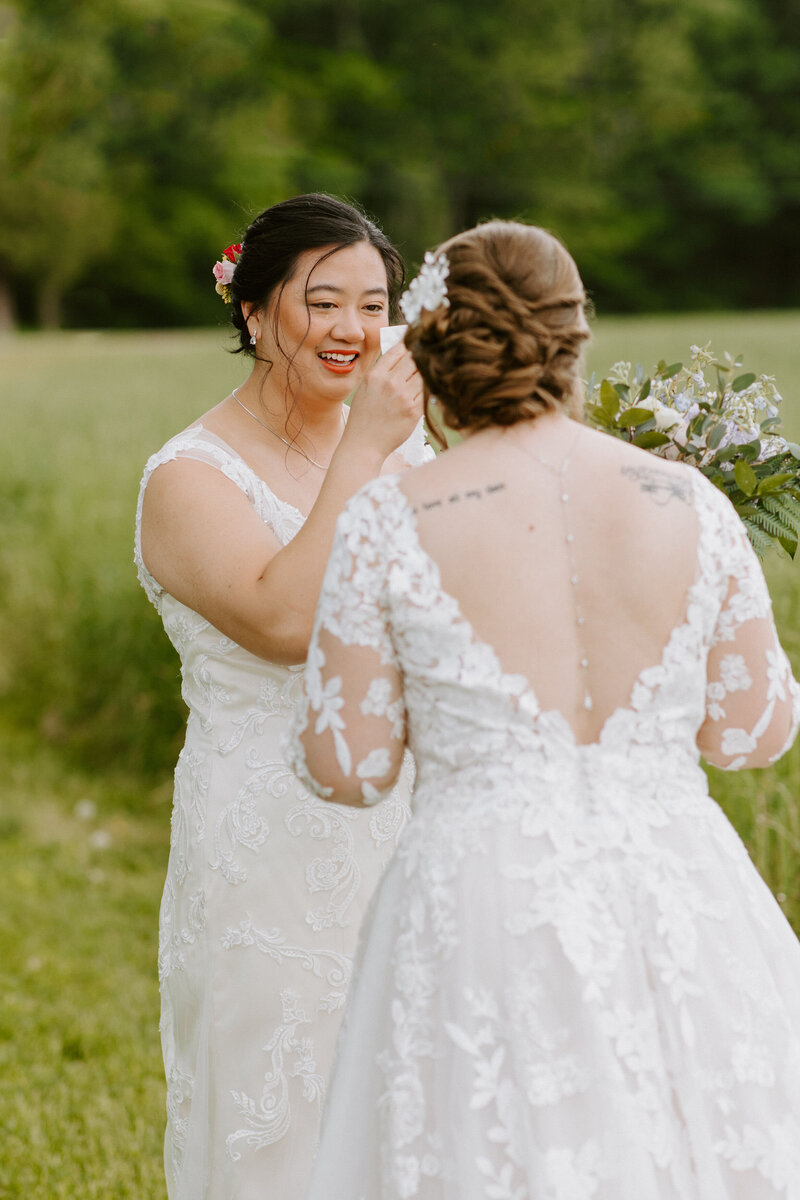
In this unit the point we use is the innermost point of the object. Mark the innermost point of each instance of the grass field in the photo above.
(90, 724)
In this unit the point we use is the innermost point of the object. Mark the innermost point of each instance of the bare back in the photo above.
(571, 554)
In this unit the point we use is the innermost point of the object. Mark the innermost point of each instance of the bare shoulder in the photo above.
(199, 532)
(658, 479)
(190, 462)
(456, 478)
(183, 473)
(184, 494)
(414, 478)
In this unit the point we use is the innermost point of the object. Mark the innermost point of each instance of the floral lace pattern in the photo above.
(572, 983)
(264, 895)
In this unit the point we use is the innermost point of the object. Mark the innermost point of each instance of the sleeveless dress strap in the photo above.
(201, 445)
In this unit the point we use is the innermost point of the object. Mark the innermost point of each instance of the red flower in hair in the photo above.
(232, 252)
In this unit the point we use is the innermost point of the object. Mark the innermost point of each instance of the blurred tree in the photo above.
(57, 207)
(643, 132)
(195, 141)
(138, 136)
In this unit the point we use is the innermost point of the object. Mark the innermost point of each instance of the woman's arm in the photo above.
(206, 546)
(348, 738)
(752, 699)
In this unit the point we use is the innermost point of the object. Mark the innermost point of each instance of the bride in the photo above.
(266, 886)
(572, 983)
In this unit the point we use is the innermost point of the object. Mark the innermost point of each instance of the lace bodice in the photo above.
(420, 664)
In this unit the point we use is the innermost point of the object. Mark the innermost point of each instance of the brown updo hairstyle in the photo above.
(508, 346)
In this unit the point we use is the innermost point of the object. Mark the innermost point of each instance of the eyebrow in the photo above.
(331, 287)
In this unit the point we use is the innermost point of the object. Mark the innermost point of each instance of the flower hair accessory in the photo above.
(223, 271)
(428, 290)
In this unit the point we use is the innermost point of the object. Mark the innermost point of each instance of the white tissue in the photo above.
(391, 335)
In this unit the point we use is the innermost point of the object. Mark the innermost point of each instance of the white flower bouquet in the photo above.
(722, 421)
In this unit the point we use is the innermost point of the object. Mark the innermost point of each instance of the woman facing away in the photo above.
(266, 885)
(572, 983)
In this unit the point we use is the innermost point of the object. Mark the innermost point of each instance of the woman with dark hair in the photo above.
(572, 983)
(266, 885)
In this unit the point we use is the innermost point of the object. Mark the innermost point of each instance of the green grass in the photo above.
(81, 1090)
(89, 711)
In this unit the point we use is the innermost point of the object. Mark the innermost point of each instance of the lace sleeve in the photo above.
(348, 737)
(416, 449)
(752, 699)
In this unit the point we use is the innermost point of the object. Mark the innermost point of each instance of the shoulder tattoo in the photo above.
(456, 497)
(661, 486)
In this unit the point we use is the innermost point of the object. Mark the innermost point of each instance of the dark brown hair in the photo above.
(508, 346)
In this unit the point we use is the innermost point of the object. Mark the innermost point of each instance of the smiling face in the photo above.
(326, 322)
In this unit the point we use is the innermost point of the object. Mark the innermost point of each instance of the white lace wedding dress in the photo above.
(572, 983)
(265, 891)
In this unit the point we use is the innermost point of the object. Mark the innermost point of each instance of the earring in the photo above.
(253, 339)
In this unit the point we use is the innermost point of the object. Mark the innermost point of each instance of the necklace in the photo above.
(286, 442)
(560, 472)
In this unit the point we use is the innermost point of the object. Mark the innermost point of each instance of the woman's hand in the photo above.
(387, 405)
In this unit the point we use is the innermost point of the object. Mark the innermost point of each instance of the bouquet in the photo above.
(722, 421)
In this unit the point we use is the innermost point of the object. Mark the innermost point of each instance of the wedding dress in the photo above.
(572, 983)
(265, 891)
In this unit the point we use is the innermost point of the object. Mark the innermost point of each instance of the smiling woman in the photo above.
(266, 885)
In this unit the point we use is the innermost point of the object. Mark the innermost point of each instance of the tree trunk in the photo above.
(49, 305)
(8, 316)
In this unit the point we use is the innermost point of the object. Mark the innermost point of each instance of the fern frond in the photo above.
(771, 524)
(760, 542)
(786, 508)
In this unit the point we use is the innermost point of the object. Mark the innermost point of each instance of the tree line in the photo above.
(137, 137)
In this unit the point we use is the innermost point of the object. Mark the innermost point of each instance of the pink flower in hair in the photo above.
(223, 270)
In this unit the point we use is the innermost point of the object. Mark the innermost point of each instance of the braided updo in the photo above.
(508, 346)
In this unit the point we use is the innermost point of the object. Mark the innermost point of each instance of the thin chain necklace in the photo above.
(560, 472)
(286, 442)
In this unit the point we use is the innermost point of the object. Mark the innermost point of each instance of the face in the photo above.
(329, 318)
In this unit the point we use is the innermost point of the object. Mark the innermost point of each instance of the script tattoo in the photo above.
(471, 494)
(663, 486)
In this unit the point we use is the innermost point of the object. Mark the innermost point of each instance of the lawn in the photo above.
(90, 723)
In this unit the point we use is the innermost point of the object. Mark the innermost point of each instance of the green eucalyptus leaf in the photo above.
(745, 477)
(650, 439)
(633, 417)
(609, 398)
(644, 390)
(597, 415)
(728, 453)
(716, 435)
(793, 449)
(750, 451)
(773, 482)
(716, 477)
(743, 381)
(669, 372)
